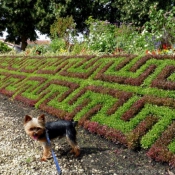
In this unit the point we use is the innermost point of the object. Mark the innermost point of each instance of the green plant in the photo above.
(101, 36)
(162, 24)
(4, 48)
(57, 44)
(28, 160)
(131, 39)
(40, 49)
(63, 28)
(79, 48)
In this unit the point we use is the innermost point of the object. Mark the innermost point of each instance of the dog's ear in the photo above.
(41, 118)
(27, 119)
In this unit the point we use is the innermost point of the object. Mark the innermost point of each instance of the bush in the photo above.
(57, 44)
(162, 24)
(4, 48)
(63, 28)
(102, 35)
(41, 49)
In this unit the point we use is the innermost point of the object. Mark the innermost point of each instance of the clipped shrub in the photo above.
(134, 137)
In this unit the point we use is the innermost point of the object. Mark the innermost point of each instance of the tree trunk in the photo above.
(24, 43)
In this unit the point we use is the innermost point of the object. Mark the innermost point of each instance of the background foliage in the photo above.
(4, 48)
(106, 26)
(22, 18)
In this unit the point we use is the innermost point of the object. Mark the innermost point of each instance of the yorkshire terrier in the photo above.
(36, 129)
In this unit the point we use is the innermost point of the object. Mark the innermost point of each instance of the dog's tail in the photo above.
(74, 123)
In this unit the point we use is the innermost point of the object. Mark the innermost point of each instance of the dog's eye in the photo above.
(38, 129)
(31, 129)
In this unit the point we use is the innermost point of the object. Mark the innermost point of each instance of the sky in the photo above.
(44, 37)
(41, 37)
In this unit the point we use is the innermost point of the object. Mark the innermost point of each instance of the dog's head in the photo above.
(34, 127)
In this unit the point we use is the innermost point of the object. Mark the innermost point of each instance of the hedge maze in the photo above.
(125, 98)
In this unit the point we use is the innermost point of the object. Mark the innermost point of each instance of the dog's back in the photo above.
(61, 128)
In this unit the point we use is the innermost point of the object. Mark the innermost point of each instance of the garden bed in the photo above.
(124, 98)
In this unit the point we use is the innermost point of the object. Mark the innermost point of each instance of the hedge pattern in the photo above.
(125, 98)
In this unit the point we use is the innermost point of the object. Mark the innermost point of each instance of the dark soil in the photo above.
(96, 152)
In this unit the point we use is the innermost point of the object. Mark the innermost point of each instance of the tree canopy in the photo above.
(21, 18)
(2, 19)
(137, 12)
(130, 11)
(81, 10)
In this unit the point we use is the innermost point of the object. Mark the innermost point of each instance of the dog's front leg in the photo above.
(46, 152)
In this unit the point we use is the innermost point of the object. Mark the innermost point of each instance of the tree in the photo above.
(136, 12)
(131, 11)
(63, 28)
(81, 10)
(23, 17)
(2, 20)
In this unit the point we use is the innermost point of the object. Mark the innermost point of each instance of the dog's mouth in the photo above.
(35, 136)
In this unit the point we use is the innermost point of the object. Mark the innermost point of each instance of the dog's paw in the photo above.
(77, 153)
(43, 159)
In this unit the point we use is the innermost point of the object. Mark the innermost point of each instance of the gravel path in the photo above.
(19, 155)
